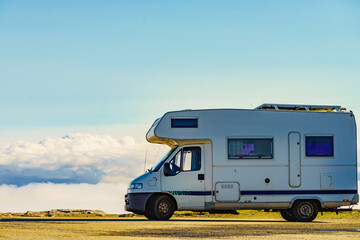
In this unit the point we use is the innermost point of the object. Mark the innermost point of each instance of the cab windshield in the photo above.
(156, 167)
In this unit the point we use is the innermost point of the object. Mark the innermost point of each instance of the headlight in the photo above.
(136, 185)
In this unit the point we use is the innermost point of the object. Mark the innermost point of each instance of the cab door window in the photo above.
(175, 163)
(191, 159)
(187, 159)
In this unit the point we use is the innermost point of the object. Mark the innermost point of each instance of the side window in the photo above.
(319, 146)
(250, 148)
(191, 159)
(175, 163)
(187, 159)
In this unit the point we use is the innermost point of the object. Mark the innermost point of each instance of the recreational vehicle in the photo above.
(295, 159)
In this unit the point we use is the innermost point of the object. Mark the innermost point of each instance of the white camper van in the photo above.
(296, 159)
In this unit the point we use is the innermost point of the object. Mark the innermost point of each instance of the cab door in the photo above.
(186, 181)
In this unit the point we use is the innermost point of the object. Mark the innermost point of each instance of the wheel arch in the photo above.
(316, 199)
(155, 195)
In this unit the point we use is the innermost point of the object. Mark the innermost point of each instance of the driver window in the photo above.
(187, 159)
(191, 159)
(175, 164)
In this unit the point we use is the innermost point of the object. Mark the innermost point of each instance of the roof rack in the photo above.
(307, 108)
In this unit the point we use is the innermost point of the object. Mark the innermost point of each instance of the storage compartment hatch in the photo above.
(227, 191)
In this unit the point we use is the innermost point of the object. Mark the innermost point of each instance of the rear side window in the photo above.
(184, 123)
(252, 148)
(319, 146)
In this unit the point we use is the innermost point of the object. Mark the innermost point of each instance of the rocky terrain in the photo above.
(58, 213)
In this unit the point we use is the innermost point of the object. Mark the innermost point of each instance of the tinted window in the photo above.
(184, 122)
(187, 159)
(250, 148)
(191, 159)
(175, 164)
(319, 146)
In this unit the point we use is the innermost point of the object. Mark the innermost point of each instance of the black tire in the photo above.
(288, 215)
(160, 208)
(149, 209)
(305, 210)
(149, 216)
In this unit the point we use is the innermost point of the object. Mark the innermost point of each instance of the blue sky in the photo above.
(82, 81)
(76, 63)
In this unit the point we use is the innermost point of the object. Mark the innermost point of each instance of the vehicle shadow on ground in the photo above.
(141, 220)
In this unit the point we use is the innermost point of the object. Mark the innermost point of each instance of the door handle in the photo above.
(201, 176)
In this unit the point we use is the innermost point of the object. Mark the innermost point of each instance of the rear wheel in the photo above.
(305, 210)
(288, 215)
(160, 208)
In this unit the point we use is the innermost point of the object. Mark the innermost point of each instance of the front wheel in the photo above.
(161, 208)
(288, 215)
(305, 210)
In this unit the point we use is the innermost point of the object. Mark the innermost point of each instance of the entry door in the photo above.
(294, 160)
(187, 180)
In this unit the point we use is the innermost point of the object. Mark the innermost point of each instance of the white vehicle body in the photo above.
(263, 158)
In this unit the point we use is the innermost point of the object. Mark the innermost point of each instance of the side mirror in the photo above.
(167, 170)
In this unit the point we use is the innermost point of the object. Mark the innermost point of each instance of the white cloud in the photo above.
(108, 197)
(78, 171)
(75, 158)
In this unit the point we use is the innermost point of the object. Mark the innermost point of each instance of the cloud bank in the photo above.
(75, 158)
(77, 171)
(108, 197)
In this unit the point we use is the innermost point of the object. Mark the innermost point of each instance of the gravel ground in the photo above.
(177, 228)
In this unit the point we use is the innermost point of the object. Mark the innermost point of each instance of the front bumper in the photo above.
(136, 202)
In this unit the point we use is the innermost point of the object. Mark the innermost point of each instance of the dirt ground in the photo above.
(178, 228)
